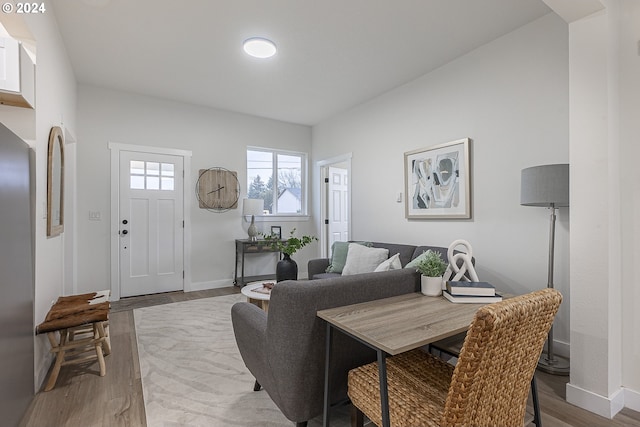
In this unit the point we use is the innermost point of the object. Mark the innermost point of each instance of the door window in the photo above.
(151, 175)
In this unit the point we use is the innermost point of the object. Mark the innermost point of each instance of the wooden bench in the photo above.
(81, 324)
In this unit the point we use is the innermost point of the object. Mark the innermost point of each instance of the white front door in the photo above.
(151, 223)
(338, 205)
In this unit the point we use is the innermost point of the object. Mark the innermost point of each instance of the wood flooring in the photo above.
(82, 398)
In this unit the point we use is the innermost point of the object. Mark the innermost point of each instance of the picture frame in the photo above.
(277, 230)
(55, 182)
(437, 181)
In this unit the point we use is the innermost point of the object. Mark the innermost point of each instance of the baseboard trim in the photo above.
(606, 407)
(561, 348)
(203, 286)
(632, 399)
(215, 284)
(42, 363)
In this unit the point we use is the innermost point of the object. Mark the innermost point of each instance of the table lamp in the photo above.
(252, 207)
(548, 186)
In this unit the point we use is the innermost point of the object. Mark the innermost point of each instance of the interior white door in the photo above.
(338, 205)
(151, 223)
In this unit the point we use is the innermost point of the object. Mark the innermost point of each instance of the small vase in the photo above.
(431, 286)
(287, 269)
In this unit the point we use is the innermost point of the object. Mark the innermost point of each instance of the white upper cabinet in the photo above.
(17, 75)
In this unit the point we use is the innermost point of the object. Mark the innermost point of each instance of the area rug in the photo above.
(192, 372)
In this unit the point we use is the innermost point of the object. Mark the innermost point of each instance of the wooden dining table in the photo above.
(391, 326)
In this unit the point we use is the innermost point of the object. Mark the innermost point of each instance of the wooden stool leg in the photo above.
(107, 336)
(102, 333)
(99, 355)
(56, 348)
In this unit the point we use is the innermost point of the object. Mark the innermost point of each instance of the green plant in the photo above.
(431, 265)
(291, 245)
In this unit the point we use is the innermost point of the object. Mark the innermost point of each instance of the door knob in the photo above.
(125, 232)
(125, 222)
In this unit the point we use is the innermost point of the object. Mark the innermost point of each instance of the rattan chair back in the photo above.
(490, 383)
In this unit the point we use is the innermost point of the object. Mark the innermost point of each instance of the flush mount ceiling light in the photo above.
(259, 47)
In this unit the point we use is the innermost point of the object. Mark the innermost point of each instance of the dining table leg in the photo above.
(384, 391)
(327, 366)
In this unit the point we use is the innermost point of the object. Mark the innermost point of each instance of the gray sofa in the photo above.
(285, 349)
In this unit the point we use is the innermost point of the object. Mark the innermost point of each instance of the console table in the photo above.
(246, 246)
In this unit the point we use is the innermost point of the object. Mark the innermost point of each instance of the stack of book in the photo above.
(471, 292)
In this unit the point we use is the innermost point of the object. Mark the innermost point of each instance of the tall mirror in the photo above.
(55, 183)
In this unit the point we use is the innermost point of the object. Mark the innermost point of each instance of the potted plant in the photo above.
(287, 269)
(432, 267)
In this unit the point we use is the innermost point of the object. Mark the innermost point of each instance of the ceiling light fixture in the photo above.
(259, 47)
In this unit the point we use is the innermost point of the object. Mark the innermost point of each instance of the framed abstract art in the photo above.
(437, 182)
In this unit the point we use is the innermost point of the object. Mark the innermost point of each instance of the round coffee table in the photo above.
(257, 298)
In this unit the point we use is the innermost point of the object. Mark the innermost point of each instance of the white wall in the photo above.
(55, 106)
(605, 238)
(511, 98)
(629, 65)
(216, 138)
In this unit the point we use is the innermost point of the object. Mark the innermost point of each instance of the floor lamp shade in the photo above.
(544, 186)
(548, 186)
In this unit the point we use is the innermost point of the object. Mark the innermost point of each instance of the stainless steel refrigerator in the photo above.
(16, 279)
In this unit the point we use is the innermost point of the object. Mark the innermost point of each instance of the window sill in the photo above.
(282, 218)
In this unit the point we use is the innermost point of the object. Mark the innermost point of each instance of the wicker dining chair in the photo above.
(452, 346)
(489, 384)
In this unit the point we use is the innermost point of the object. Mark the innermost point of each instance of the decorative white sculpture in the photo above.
(458, 272)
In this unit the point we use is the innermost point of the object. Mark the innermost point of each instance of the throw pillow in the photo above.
(414, 262)
(393, 263)
(339, 256)
(361, 259)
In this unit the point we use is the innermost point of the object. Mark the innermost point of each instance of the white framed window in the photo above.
(279, 178)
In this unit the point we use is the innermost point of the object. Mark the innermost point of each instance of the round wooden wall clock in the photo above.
(217, 189)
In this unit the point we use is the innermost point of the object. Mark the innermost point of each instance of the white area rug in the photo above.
(192, 372)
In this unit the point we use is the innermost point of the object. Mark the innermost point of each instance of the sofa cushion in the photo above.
(339, 255)
(405, 251)
(393, 263)
(362, 259)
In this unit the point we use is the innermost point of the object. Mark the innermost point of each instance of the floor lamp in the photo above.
(548, 186)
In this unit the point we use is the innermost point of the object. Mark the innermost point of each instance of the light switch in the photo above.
(94, 216)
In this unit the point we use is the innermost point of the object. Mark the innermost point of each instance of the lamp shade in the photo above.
(544, 186)
(252, 206)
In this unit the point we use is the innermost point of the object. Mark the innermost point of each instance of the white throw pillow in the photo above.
(392, 263)
(361, 259)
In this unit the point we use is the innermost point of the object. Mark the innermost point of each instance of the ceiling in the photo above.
(332, 54)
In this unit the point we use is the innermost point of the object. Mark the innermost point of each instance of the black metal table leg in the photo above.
(384, 391)
(327, 366)
(242, 283)
(235, 271)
